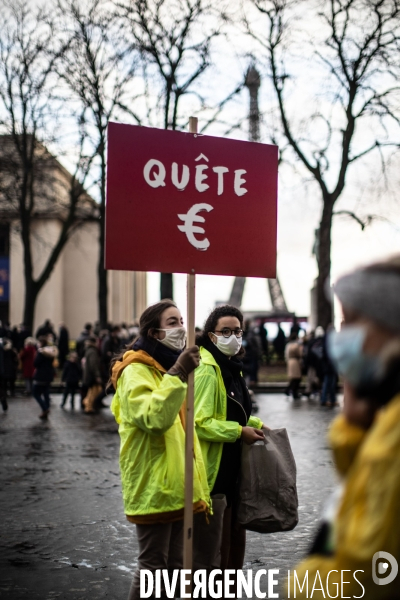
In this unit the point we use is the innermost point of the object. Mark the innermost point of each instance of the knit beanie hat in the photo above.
(374, 292)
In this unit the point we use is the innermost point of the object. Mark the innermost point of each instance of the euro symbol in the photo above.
(190, 229)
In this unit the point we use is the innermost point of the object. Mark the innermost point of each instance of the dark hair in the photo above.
(42, 339)
(149, 319)
(211, 322)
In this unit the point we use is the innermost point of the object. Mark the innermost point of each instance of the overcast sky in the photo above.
(299, 205)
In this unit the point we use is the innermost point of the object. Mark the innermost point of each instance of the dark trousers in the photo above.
(329, 388)
(84, 391)
(41, 395)
(9, 383)
(3, 394)
(160, 547)
(293, 388)
(70, 389)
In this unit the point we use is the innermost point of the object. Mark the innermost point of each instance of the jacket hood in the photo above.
(133, 356)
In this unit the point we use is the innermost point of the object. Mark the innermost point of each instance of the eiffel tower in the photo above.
(252, 82)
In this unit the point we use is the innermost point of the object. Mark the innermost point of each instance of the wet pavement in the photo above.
(63, 531)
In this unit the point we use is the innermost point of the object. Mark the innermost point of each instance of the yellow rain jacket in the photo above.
(147, 406)
(210, 409)
(368, 519)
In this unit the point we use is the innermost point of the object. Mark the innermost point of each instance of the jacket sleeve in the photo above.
(207, 427)
(142, 402)
(255, 422)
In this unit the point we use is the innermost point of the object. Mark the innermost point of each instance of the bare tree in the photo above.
(98, 71)
(354, 112)
(32, 181)
(174, 39)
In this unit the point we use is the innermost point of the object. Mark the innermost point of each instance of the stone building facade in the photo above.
(70, 293)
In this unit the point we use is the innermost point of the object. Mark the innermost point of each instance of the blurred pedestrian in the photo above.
(151, 384)
(110, 347)
(264, 343)
(23, 332)
(293, 355)
(83, 336)
(295, 328)
(123, 335)
(312, 381)
(3, 330)
(223, 419)
(92, 380)
(72, 375)
(363, 517)
(10, 367)
(330, 377)
(315, 359)
(279, 343)
(43, 375)
(251, 345)
(14, 337)
(45, 330)
(63, 344)
(27, 357)
(3, 389)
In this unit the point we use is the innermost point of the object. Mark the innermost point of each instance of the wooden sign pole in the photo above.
(189, 446)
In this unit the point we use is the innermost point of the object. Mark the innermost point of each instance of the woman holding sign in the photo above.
(151, 382)
(223, 419)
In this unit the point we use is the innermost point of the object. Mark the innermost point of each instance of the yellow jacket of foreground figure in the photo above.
(148, 406)
(368, 519)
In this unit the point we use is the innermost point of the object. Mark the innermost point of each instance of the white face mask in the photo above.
(228, 346)
(174, 338)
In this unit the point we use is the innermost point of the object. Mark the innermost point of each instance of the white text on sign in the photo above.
(155, 175)
(190, 229)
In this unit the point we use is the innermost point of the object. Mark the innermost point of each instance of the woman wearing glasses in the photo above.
(223, 419)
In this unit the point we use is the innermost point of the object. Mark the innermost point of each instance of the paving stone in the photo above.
(63, 531)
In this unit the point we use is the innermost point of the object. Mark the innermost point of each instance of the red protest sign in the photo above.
(187, 203)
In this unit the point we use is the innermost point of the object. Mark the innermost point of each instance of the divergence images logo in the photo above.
(383, 568)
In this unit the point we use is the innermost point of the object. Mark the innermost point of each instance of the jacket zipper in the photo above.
(240, 407)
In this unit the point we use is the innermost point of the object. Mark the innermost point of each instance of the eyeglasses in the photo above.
(227, 332)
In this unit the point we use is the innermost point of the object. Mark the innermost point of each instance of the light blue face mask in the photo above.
(345, 349)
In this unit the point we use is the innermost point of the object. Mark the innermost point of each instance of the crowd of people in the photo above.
(308, 357)
(85, 370)
(82, 366)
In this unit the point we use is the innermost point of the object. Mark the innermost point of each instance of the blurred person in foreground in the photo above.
(363, 517)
